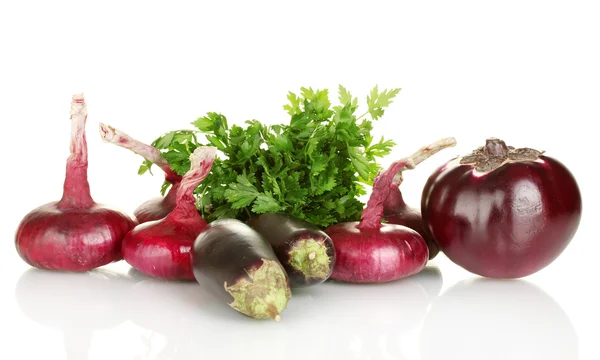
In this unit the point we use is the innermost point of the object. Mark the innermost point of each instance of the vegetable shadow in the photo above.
(375, 320)
(482, 318)
(193, 322)
(77, 304)
(190, 322)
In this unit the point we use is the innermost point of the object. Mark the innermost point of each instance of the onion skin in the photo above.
(152, 249)
(371, 252)
(396, 211)
(161, 248)
(159, 207)
(385, 254)
(74, 234)
(76, 240)
(509, 222)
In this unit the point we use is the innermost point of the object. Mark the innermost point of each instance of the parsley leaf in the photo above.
(377, 101)
(265, 203)
(241, 193)
(313, 167)
(146, 166)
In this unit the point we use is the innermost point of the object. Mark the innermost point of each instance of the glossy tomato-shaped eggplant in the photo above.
(502, 212)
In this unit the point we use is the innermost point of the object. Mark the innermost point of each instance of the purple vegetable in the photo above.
(75, 233)
(371, 252)
(156, 208)
(161, 248)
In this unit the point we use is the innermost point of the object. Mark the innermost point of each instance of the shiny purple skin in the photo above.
(507, 223)
(157, 208)
(396, 211)
(71, 240)
(379, 255)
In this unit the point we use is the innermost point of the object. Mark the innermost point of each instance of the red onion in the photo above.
(157, 208)
(162, 248)
(396, 211)
(371, 252)
(75, 233)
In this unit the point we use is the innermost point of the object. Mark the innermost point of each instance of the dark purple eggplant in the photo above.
(305, 251)
(237, 265)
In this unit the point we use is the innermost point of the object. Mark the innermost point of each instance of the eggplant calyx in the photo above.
(311, 259)
(264, 294)
(496, 153)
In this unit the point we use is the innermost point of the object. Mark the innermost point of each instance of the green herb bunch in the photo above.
(314, 168)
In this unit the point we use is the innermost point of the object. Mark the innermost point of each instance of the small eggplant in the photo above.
(305, 251)
(234, 263)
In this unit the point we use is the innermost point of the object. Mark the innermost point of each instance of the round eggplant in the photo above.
(305, 251)
(233, 262)
(502, 212)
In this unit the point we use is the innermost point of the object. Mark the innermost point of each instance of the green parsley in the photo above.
(314, 167)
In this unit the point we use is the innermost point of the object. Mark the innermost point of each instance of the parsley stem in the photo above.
(362, 116)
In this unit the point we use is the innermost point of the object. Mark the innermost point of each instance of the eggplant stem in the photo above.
(309, 257)
(496, 153)
(264, 293)
(273, 313)
(496, 147)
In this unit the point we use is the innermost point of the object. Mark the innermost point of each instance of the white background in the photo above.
(524, 71)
